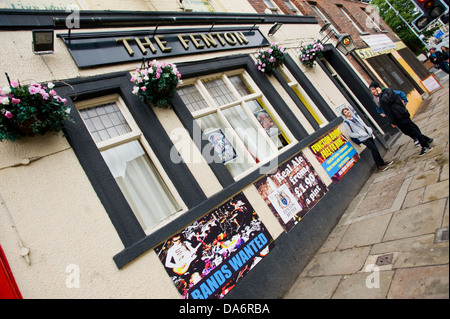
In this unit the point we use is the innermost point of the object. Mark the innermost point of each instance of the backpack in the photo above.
(354, 139)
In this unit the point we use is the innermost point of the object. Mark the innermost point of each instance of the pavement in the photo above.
(392, 241)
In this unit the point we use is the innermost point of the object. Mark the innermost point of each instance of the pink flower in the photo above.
(14, 84)
(15, 101)
(33, 90)
(143, 88)
(9, 115)
(158, 75)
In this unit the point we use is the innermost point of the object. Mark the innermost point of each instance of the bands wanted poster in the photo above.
(208, 258)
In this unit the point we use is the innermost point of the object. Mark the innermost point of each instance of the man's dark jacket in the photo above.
(393, 107)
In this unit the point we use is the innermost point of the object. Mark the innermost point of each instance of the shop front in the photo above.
(239, 177)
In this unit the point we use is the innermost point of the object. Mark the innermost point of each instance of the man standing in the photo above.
(438, 59)
(399, 116)
(380, 111)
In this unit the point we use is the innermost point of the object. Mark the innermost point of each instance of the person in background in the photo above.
(380, 111)
(438, 59)
(444, 53)
(399, 116)
(360, 133)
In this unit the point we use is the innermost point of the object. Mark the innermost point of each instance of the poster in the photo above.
(221, 145)
(208, 258)
(292, 190)
(267, 123)
(335, 153)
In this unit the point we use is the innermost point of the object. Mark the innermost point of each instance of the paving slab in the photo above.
(414, 198)
(416, 221)
(314, 288)
(444, 172)
(414, 251)
(436, 191)
(445, 219)
(366, 232)
(333, 240)
(423, 179)
(340, 262)
(420, 283)
(381, 195)
(374, 285)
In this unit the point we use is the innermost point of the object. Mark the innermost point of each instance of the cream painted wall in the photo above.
(50, 207)
(235, 6)
(132, 5)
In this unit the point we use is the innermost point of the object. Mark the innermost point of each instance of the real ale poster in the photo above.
(292, 190)
(208, 258)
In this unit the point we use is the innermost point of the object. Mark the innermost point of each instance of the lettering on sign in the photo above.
(95, 49)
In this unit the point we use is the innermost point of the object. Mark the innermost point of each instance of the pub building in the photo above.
(224, 193)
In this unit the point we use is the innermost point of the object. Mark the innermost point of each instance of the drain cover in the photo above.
(441, 235)
(384, 260)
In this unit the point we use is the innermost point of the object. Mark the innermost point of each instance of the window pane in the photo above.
(221, 141)
(198, 5)
(267, 123)
(141, 184)
(241, 85)
(105, 122)
(248, 133)
(269, 3)
(192, 98)
(219, 91)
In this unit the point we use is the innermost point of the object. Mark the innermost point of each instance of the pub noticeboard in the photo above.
(105, 48)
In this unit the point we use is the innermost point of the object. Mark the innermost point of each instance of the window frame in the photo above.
(312, 108)
(85, 149)
(189, 8)
(323, 17)
(239, 100)
(292, 7)
(349, 17)
(274, 8)
(135, 135)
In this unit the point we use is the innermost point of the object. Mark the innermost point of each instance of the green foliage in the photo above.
(408, 11)
(156, 84)
(29, 110)
(310, 52)
(268, 60)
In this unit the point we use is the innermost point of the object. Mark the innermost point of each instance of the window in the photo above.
(197, 5)
(242, 127)
(292, 7)
(323, 17)
(129, 159)
(303, 96)
(348, 16)
(271, 6)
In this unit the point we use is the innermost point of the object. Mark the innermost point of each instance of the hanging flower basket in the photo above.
(156, 83)
(29, 110)
(268, 60)
(310, 52)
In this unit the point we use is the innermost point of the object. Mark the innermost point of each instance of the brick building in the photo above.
(394, 65)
